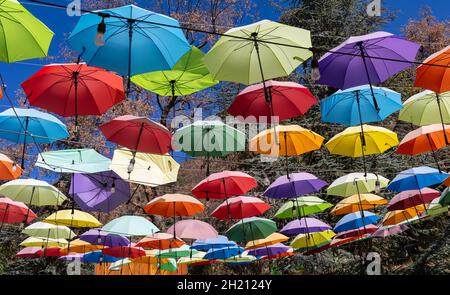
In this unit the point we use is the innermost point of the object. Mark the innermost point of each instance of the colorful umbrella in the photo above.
(223, 253)
(353, 183)
(434, 74)
(416, 178)
(29, 252)
(43, 242)
(129, 225)
(357, 203)
(14, 212)
(98, 257)
(305, 242)
(80, 247)
(174, 205)
(390, 230)
(47, 230)
(402, 216)
(272, 239)
(30, 126)
(272, 250)
(33, 192)
(161, 241)
(182, 251)
(304, 225)
(250, 229)
(301, 207)
(411, 198)
(294, 185)
(129, 251)
(72, 218)
(126, 42)
(23, 36)
(355, 220)
(9, 170)
(357, 232)
(100, 237)
(240, 207)
(444, 200)
(99, 192)
(216, 242)
(435, 208)
(191, 229)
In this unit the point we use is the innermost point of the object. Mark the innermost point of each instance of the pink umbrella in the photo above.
(192, 229)
(412, 198)
(358, 232)
(29, 252)
(14, 212)
(389, 231)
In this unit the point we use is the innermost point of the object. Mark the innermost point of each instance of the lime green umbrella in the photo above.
(47, 230)
(243, 258)
(43, 242)
(33, 192)
(301, 207)
(250, 229)
(188, 76)
(355, 183)
(435, 208)
(22, 36)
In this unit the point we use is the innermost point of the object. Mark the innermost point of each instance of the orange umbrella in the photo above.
(435, 75)
(398, 216)
(9, 170)
(161, 241)
(174, 205)
(447, 182)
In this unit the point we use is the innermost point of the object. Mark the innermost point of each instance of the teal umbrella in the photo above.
(130, 225)
(180, 252)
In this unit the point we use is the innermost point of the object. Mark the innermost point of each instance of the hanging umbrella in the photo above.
(161, 241)
(251, 102)
(402, 216)
(294, 185)
(196, 259)
(411, 198)
(74, 89)
(29, 252)
(80, 247)
(14, 212)
(357, 232)
(174, 205)
(272, 239)
(240, 259)
(223, 253)
(192, 230)
(43, 242)
(272, 250)
(301, 207)
(182, 251)
(240, 207)
(250, 229)
(444, 200)
(355, 106)
(50, 252)
(47, 230)
(99, 192)
(73, 218)
(416, 178)
(23, 36)
(357, 203)
(9, 170)
(209, 139)
(129, 251)
(72, 257)
(100, 237)
(129, 40)
(355, 143)
(117, 265)
(353, 183)
(129, 225)
(73, 161)
(422, 109)
(149, 169)
(24, 126)
(212, 243)
(357, 61)
(389, 230)
(33, 192)
(223, 185)
(170, 265)
(434, 74)
(98, 257)
(304, 225)
(305, 242)
(355, 220)
(435, 209)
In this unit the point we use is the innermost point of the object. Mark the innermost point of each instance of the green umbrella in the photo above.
(435, 208)
(188, 76)
(209, 139)
(33, 192)
(250, 229)
(129, 225)
(355, 183)
(444, 200)
(73, 161)
(170, 265)
(301, 207)
(47, 230)
(183, 251)
(22, 35)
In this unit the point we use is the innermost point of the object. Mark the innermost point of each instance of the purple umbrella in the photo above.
(304, 225)
(271, 250)
(295, 185)
(72, 257)
(99, 192)
(367, 59)
(99, 237)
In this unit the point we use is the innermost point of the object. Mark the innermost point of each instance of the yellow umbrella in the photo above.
(196, 258)
(273, 239)
(149, 169)
(357, 203)
(43, 242)
(80, 246)
(399, 216)
(312, 240)
(73, 218)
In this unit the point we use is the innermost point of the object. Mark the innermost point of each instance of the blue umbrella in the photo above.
(30, 126)
(98, 257)
(212, 243)
(355, 220)
(223, 253)
(129, 40)
(416, 178)
(355, 106)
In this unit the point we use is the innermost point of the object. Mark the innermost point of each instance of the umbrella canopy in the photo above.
(80, 247)
(47, 230)
(129, 225)
(223, 253)
(139, 134)
(196, 259)
(357, 203)
(149, 169)
(416, 178)
(242, 52)
(170, 265)
(23, 36)
(401, 216)
(160, 241)
(29, 252)
(15, 212)
(411, 198)
(43, 242)
(73, 161)
(271, 250)
(212, 243)
(100, 237)
(252, 102)
(444, 200)
(306, 242)
(357, 232)
(9, 170)
(355, 106)
(124, 251)
(99, 192)
(224, 184)
(250, 229)
(435, 74)
(174, 205)
(72, 218)
(304, 226)
(301, 207)
(187, 76)
(272, 239)
(240, 207)
(424, 139)
(116, 266)
(240, 259)
(355, 220)
(294, 185)
(32, 191)
(192, 229)
(386, 231)
(98, 257)
(434, 209)
(182, 251)
(354, 183)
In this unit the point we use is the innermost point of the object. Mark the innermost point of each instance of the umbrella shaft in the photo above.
(363, 56)
(438, 99)
(24, 143)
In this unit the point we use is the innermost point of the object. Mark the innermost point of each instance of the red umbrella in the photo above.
(14, 212)
(124, 251)
(412, 198)
(286, 100)
(224, 184)
(240, 207)
(357, 232)
(50, 252)
(29, 252)
(74, 89)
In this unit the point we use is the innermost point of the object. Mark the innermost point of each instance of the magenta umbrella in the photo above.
(192, 229)
(412, 198)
